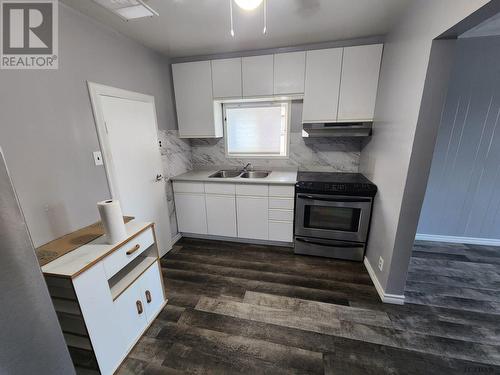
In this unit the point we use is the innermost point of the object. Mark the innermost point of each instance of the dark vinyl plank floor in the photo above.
(255, 309)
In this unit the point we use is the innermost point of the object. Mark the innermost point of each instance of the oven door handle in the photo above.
(327, 244)
(313, 198)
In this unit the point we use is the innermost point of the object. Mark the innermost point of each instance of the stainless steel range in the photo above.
(332, 214)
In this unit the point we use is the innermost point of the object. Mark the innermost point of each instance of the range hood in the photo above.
(337, 129)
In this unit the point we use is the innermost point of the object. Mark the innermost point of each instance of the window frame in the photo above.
(256, 104)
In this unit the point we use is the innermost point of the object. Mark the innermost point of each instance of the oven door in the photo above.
(330, 248)
(332, 217)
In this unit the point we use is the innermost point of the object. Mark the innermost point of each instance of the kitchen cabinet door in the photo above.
(109, 341)
(358, 88)
(197, 115)
(289, 72)
(221, 215)
(152, 291)
(322, 84)
(191, 213)
(226, 78)
(281, 231)
(252, 217)
(130, 313)
(257, 74)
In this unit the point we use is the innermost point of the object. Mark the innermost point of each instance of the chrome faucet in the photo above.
(247, 167)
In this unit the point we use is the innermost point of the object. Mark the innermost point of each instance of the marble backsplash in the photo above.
(308, 154)
(176, 159)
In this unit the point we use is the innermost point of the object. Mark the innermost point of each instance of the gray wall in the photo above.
(32, 341)
(463, 193)
(386, 159)
(47, 130)
(312, 154)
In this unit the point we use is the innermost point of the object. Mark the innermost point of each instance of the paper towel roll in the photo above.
(112, 220)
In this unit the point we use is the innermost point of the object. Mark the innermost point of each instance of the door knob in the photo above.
(148, 296)
(159, 177)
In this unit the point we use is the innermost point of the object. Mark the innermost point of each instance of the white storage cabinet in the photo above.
(198, 116)
(106, 296)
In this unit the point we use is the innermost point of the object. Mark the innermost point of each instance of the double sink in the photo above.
(241, 174)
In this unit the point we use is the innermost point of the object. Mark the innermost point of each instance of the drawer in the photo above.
(188, 187)
(119, 258)
(281, 215)
(287, 191)
(220, 188)
(253, 190)
(280, 231)
(281, 203)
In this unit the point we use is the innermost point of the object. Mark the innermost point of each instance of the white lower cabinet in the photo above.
(191, 213)
(250, 211)
(221, 215)
(252, 217)
(281, 231)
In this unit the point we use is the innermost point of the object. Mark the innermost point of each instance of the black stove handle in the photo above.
(327, 244)
(312, 197)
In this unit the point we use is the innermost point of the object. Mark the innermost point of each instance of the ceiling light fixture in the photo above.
(128, 9)
(247, 5)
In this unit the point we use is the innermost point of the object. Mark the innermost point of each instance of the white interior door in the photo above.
(128, 133)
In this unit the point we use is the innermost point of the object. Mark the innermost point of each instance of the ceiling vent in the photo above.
(128, 9)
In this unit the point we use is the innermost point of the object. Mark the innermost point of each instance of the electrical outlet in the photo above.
(380, 263)
(97, 157)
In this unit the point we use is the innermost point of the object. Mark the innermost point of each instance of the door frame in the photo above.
(95, 90)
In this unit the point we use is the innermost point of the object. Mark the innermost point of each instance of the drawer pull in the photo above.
(133, 250)
(138, 304)
(148, 296)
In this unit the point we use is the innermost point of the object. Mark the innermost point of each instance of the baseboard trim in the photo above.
(237, 239)
(176, 238)
(394, 299)
(455, 239)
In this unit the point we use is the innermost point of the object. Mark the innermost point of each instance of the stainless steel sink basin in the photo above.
(255, 174)
(225, 174)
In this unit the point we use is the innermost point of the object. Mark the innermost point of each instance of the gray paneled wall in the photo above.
(463, 193)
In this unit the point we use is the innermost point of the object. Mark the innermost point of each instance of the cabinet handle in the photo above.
(139, 307)
(148, 296)
(134, 249)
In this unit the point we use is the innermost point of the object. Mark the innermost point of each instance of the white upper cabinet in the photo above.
(257, 74)
(197, 115)
(226, 78)
(322, 84)
(289, 72)
(358, 88)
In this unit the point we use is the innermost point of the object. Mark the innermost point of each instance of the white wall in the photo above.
(47, 130)
(386, 159)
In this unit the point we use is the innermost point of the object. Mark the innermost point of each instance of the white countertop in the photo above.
(274, 178)
(72, 263)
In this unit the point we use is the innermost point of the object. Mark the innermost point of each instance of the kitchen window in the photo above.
(257, 129)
